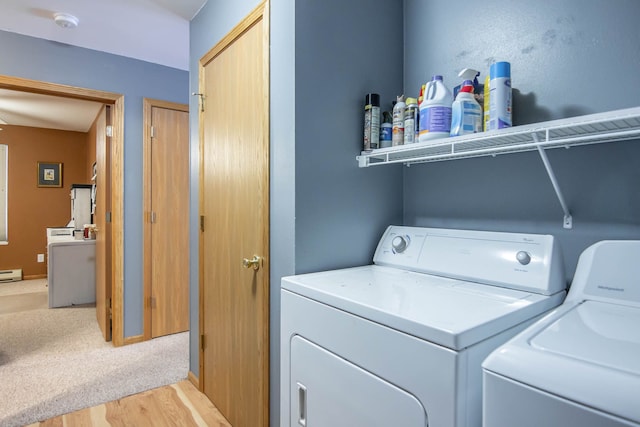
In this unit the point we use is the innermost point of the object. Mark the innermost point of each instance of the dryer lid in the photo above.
(597, 333)
(449, 312)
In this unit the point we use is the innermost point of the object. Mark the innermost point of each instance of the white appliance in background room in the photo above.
(401, 342)
(81, 205)
(59, 234)
(71, 271)
(580, 365)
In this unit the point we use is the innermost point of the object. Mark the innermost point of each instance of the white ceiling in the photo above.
(155, 31)
(151, 30)
(46, 111)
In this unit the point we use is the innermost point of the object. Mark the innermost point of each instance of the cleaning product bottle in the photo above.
(398, 121)
(466, 113)
(487, 97)
(421, 96)
(435, 110)
(467, 74)
(371, 121)
(386, 130)
(500, 98)
(410, 121)
(420, 99)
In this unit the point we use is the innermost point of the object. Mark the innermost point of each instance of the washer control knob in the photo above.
(523, 257)
(399, 244)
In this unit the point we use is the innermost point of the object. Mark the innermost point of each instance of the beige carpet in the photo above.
(23, 287)
(24, 295)
(55, 361)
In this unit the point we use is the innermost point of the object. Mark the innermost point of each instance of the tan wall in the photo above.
(32, 209)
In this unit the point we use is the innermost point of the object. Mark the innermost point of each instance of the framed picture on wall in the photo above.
(49, 174)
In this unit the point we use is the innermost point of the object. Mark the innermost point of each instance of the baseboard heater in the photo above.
(11, 275)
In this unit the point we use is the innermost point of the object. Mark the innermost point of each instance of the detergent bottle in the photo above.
(435, 110)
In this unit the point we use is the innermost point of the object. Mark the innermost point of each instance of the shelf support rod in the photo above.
(568, 220)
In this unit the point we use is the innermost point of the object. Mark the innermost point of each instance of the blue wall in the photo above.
(342, 53)
(567, 58)
(283, 169)
(48, 61)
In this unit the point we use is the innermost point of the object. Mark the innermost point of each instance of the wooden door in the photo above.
(234, 203)
(103, 224)
(167, 234)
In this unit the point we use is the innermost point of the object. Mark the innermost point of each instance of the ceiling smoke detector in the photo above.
(65, 20)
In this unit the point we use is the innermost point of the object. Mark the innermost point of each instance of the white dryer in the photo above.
(580, 365)
(401, 342)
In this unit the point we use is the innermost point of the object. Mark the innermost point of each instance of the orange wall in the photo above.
(32, 209)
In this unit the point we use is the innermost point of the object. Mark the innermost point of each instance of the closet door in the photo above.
(234, 204)
(166, 256)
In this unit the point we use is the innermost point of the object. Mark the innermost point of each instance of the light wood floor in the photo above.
(178, 404)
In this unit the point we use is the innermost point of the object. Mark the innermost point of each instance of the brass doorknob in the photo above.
(252, 263)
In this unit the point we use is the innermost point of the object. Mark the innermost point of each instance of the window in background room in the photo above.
(3, 192)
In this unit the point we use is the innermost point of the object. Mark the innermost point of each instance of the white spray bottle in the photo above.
(466, 113)
(467, 74)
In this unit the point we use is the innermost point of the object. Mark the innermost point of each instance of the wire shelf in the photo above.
(619, 125)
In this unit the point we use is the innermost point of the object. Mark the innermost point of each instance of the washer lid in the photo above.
(449, 312)
(599, 333)
(587, 353)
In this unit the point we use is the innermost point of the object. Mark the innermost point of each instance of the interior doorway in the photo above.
(116, 103)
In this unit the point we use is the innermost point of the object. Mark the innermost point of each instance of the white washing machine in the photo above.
(401, 342)
(580, 365)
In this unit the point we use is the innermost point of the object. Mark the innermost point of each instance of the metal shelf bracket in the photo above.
(568, 220)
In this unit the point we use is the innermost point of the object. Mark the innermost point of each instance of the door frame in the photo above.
(147, 105)
(116, 100)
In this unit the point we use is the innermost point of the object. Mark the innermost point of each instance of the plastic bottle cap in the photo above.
(499, 69)
(411, 101)
(372, 99)
(436, 77)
